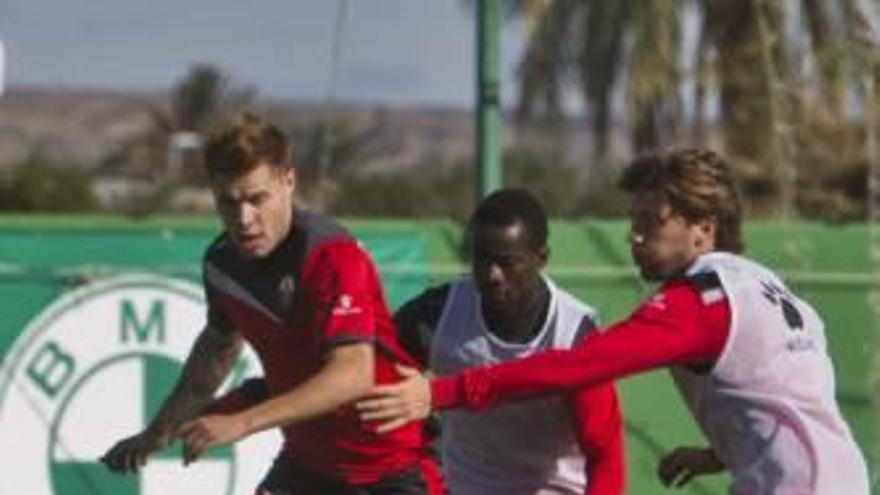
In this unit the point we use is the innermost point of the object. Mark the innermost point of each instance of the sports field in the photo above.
(41, 257)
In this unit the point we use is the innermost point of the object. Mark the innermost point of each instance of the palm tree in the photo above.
(202, 99)
(204, 96)
(167, 154)
(771, 66)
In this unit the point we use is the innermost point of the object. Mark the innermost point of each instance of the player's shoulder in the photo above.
(703, 281)
(694, 289)
(337, 252)
(431, 300)
(730, 266)
(574, 318)
(325, 246)
(316, 234)
(317, 227)
(423, 310)
(568, 302)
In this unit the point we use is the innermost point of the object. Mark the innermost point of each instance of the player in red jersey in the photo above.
(748, 355)
(303, 293)
(507, 308)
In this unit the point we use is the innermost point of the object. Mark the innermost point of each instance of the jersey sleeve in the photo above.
(598, 423)
(673, 327)
(342, 290)
(416, 321)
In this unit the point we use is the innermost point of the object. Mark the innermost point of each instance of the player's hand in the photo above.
(205, 432)
(685, 463)
(130, 454)
(398, 404)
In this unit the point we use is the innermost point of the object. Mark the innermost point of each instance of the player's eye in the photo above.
(259, 199)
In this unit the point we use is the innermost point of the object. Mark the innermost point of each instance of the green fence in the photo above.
(42, 258)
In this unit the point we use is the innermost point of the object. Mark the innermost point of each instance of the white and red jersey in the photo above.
(529, 447)
(768, 404)
(751, 361)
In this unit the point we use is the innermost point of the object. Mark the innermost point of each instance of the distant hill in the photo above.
(94, 128)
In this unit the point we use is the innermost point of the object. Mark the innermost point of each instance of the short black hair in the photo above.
(507, 207)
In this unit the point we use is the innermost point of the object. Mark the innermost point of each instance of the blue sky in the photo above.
(393, 51)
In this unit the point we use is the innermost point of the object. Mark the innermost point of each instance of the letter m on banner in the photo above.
(142, 326)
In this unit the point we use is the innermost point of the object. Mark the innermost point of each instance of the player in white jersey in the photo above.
(749, 356)
(505, 310)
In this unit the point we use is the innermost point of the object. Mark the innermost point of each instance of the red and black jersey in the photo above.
(318, 289)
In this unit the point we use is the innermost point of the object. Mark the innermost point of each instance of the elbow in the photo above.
(357, 364)
(363, 379)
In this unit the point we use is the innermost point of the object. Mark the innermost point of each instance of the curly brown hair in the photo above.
(248, 142)
(697, 184)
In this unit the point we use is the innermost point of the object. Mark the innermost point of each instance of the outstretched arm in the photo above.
(675, 327)
(207, 365)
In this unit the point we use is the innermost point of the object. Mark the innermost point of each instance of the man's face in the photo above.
(664, 243)
(256, 208)
(505, 266)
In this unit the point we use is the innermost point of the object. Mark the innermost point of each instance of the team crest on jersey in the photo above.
(93, 367)
(286, 291)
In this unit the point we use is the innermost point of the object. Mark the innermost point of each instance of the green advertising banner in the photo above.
(98, 313)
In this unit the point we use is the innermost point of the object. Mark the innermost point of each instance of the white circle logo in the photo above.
(94, 367)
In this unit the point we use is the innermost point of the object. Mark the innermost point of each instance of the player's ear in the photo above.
(706, 228)
(288, 177)
(543, 253)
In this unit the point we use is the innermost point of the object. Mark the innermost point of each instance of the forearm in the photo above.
(347, 376)
(248, 394)
(599, 426)
(207, 365)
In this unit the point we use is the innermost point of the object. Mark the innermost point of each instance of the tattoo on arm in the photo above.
(209, 362)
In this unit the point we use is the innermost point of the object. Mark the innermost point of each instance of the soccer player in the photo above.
(508, 309)
(749, 356)
(505, 310)
(302, 292)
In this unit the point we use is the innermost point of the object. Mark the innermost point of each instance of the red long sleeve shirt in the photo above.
(598, 425)
(674, 327)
